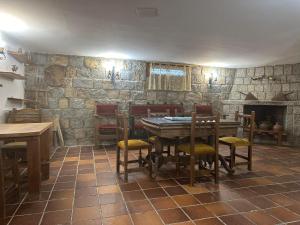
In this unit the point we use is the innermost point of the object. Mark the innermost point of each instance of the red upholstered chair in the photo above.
(203, 110)
(105, 123)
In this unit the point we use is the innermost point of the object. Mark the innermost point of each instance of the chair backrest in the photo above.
(204, 110)
(142, 110)
(247, 123)
(24, 116)
(158, 114)
(122, 128)
(106, 109)
(208, 125)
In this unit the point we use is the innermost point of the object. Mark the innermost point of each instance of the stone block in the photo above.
(250, 72)
(39, 59)
(56, 92)
(247, 81)
(63, 103)
(79, 133)
(89, 123)
(103, 84)
(296, 69)
(239, 81)
(241, 72)
(92, 62)
(76, 61)
(258, 88)
(76, 123)
(52, 103)
(269, 71)
(251, 88)
(286, 87)
(77, 103)
(125, 95)
(71, 72)
(278, 70)
(259, 71)
(64, 123)
(90, 104)
(287, 69)
(70, 92)
(82, 83)
(235, 96)
(55, 75)
(59, 60)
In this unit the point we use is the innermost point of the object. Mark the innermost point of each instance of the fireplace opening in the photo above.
(266, 116)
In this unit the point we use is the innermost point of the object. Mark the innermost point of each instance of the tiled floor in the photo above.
(84, 190)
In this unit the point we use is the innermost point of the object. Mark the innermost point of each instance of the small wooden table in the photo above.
(164, 128)
(38, 138)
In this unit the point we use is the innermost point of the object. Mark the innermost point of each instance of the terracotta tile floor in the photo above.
(84, 189)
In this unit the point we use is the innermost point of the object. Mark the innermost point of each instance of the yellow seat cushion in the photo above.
(133, 144)
(235, 141)
(15, 145)
(199, 149)
(152, 139)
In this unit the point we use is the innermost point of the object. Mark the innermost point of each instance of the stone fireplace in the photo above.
(268, 114)
(286, 113)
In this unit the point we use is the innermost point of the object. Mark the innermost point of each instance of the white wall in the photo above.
(10, 88)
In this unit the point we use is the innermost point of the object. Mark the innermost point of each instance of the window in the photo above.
(168, 77)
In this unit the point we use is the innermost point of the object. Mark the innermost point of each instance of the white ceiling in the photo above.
(229, 33)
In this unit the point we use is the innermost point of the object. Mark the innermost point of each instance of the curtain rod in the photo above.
(172, 64)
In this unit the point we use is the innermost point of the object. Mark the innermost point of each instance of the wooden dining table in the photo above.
(166, 129)
(38, 138)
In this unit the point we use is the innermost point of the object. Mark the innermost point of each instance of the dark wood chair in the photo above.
(203, 110)
(204, 126)
(105, 123)
(21, 116)
(138, 111)
(247, 125)
(125, 145)
(9, 183)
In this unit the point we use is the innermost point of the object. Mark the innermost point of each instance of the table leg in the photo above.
(45, 153)
(2, 197)
(34, 165)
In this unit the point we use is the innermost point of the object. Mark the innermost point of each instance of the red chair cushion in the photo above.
(106, 109)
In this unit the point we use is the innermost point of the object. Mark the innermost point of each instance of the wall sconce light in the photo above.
(113, 70)
(2, 54)
(212, 79)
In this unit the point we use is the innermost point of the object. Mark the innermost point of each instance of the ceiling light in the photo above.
(113, 55)
(146, 12)
(10, 23)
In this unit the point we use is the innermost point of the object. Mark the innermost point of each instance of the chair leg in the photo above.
(232, 157)
(140, 158)
(16, 175)
(150, 161)
(126, 166)
(216, 168)
(192, 170)
(250, 158)
(177, 160)
(118, 160)
(169, 150)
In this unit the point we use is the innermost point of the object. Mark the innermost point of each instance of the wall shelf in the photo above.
(21, 57)
(12, 76)
(22, 100)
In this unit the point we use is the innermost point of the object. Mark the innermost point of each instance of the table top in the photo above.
(13, 130)
(162, 122)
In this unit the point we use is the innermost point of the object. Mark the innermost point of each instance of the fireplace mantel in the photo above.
(260, 102)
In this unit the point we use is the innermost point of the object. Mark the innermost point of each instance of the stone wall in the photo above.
(75, 83)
